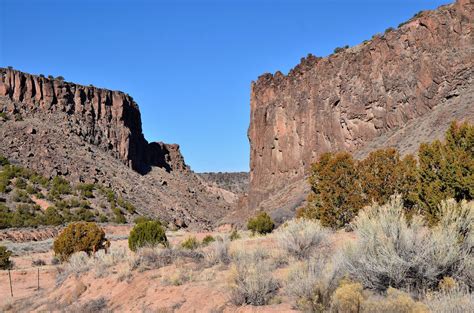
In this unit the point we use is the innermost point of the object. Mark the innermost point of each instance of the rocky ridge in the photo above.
(398, 89)
(94, 135)
(236, 182)
(107, 119)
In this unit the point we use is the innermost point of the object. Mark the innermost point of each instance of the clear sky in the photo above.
(188, 64)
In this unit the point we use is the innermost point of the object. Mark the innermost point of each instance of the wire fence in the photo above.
(18, 283)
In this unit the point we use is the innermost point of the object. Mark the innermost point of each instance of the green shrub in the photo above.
(5, 217)
(126, 205)
(25, 215)
(149, 233)
(4, 182)
(447, 169)
(336, 194)
(53, 217)
(108, 193)
(40, 180)
(234, 235)
(207, 240)
(86, 190)
(339, 49)
(20, 183)
(103, 218)
(119, 217)
(341, 186)
(142, 219)
(190, 243)
(31, 190)
(80, 236)
(60, 186)
(3, 160)
(84, 215)
(21, 196)
(261, 224)
(5, 262)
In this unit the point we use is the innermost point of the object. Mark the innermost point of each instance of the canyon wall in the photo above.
(107, 119)
(351, 98)
(94, 135)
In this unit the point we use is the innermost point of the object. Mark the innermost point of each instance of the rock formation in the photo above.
(94, 135)
(107, 119)
(360, 98)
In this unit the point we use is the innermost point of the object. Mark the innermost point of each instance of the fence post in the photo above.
(10, 279)
(38, 280)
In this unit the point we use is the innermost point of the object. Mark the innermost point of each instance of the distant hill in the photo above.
(236, 182)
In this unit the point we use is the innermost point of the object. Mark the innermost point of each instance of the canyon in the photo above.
(385, 92)
(398, 89)
(94, 135)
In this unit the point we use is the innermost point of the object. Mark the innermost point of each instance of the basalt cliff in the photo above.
(107, 119)
(397, 89)
(94, 135)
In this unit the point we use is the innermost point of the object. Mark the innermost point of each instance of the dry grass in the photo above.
(455, 300)
(392, 252)
(217, 252)
(30, 247)
(301, 237)
(153, 258)
(91, 306)
(251, 280)
(395, 301)
(347, 298)
(312, 282)
(101, 263)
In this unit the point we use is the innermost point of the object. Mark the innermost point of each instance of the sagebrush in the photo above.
(301, 237)
(391, 251)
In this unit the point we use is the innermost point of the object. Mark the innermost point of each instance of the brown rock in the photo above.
(108, 119)
(95, 135)
(30, 130)
(362, 94)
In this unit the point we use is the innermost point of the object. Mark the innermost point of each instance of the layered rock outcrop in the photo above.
(358, 95)
(107, 119)
(94, 135)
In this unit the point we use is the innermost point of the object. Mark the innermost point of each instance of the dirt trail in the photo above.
(43, 204)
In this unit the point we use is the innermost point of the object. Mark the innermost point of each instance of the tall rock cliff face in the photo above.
(95, 135)
(357, 96)
(107, 119)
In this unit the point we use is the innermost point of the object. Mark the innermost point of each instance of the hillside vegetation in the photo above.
(341, 185)
(30, 199)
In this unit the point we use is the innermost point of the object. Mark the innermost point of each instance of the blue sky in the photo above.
(188, 64)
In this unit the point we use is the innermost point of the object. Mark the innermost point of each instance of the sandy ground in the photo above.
(43, 204)
(204, 289)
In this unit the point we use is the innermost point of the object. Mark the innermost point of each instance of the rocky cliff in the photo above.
(94, 135)
(107, 119)
(360, 98)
